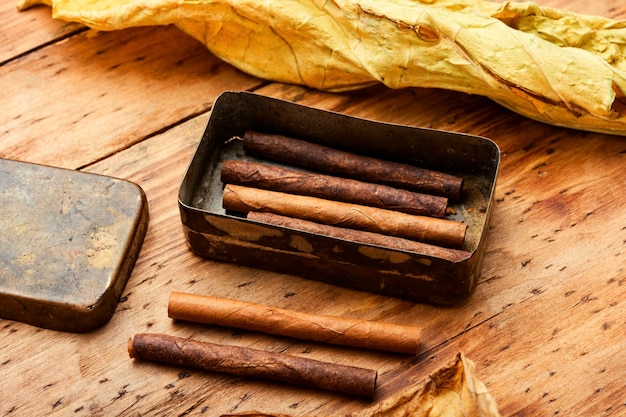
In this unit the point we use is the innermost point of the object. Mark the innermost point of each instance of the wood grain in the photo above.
(545, 324)
(22, 33)
(75, 102)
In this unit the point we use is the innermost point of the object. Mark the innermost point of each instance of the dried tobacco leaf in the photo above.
(452, 391)
(551, 65)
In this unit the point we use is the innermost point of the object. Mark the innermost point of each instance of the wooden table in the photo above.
(545, 325)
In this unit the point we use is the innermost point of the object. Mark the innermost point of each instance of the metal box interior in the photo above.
(213, 233)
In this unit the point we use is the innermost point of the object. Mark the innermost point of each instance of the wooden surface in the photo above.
(545, 325)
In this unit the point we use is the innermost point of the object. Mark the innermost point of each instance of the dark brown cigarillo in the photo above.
(364, 168)
(269, 177)
(253, 363)
(385, 241)
(344, 331)
(431, 230)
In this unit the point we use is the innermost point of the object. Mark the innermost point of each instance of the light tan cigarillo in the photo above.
(300, 325)
(432, 230)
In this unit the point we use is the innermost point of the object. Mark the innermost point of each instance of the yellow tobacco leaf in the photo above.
(551, 65)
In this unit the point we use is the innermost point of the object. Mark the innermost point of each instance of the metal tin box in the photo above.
(213, 233)
(68, 243)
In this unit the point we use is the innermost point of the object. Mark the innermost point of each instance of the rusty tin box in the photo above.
(68, 243)
(216, 234)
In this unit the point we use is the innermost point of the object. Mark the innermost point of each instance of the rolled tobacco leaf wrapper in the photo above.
(360, 236)
(300, 325)
(275, 178)
(253, 363)
(442, 232)
(364, 168)
(452, 391)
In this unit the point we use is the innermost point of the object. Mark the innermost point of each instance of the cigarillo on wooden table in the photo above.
(248, 362)
(291, 323)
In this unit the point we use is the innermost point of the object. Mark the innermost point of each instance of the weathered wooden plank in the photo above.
(73, 103)
(22, 32)
(558, 353)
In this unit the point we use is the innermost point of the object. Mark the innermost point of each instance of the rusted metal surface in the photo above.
(68, 243)
(216, 234)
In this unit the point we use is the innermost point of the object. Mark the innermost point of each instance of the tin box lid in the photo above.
(68, 243)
